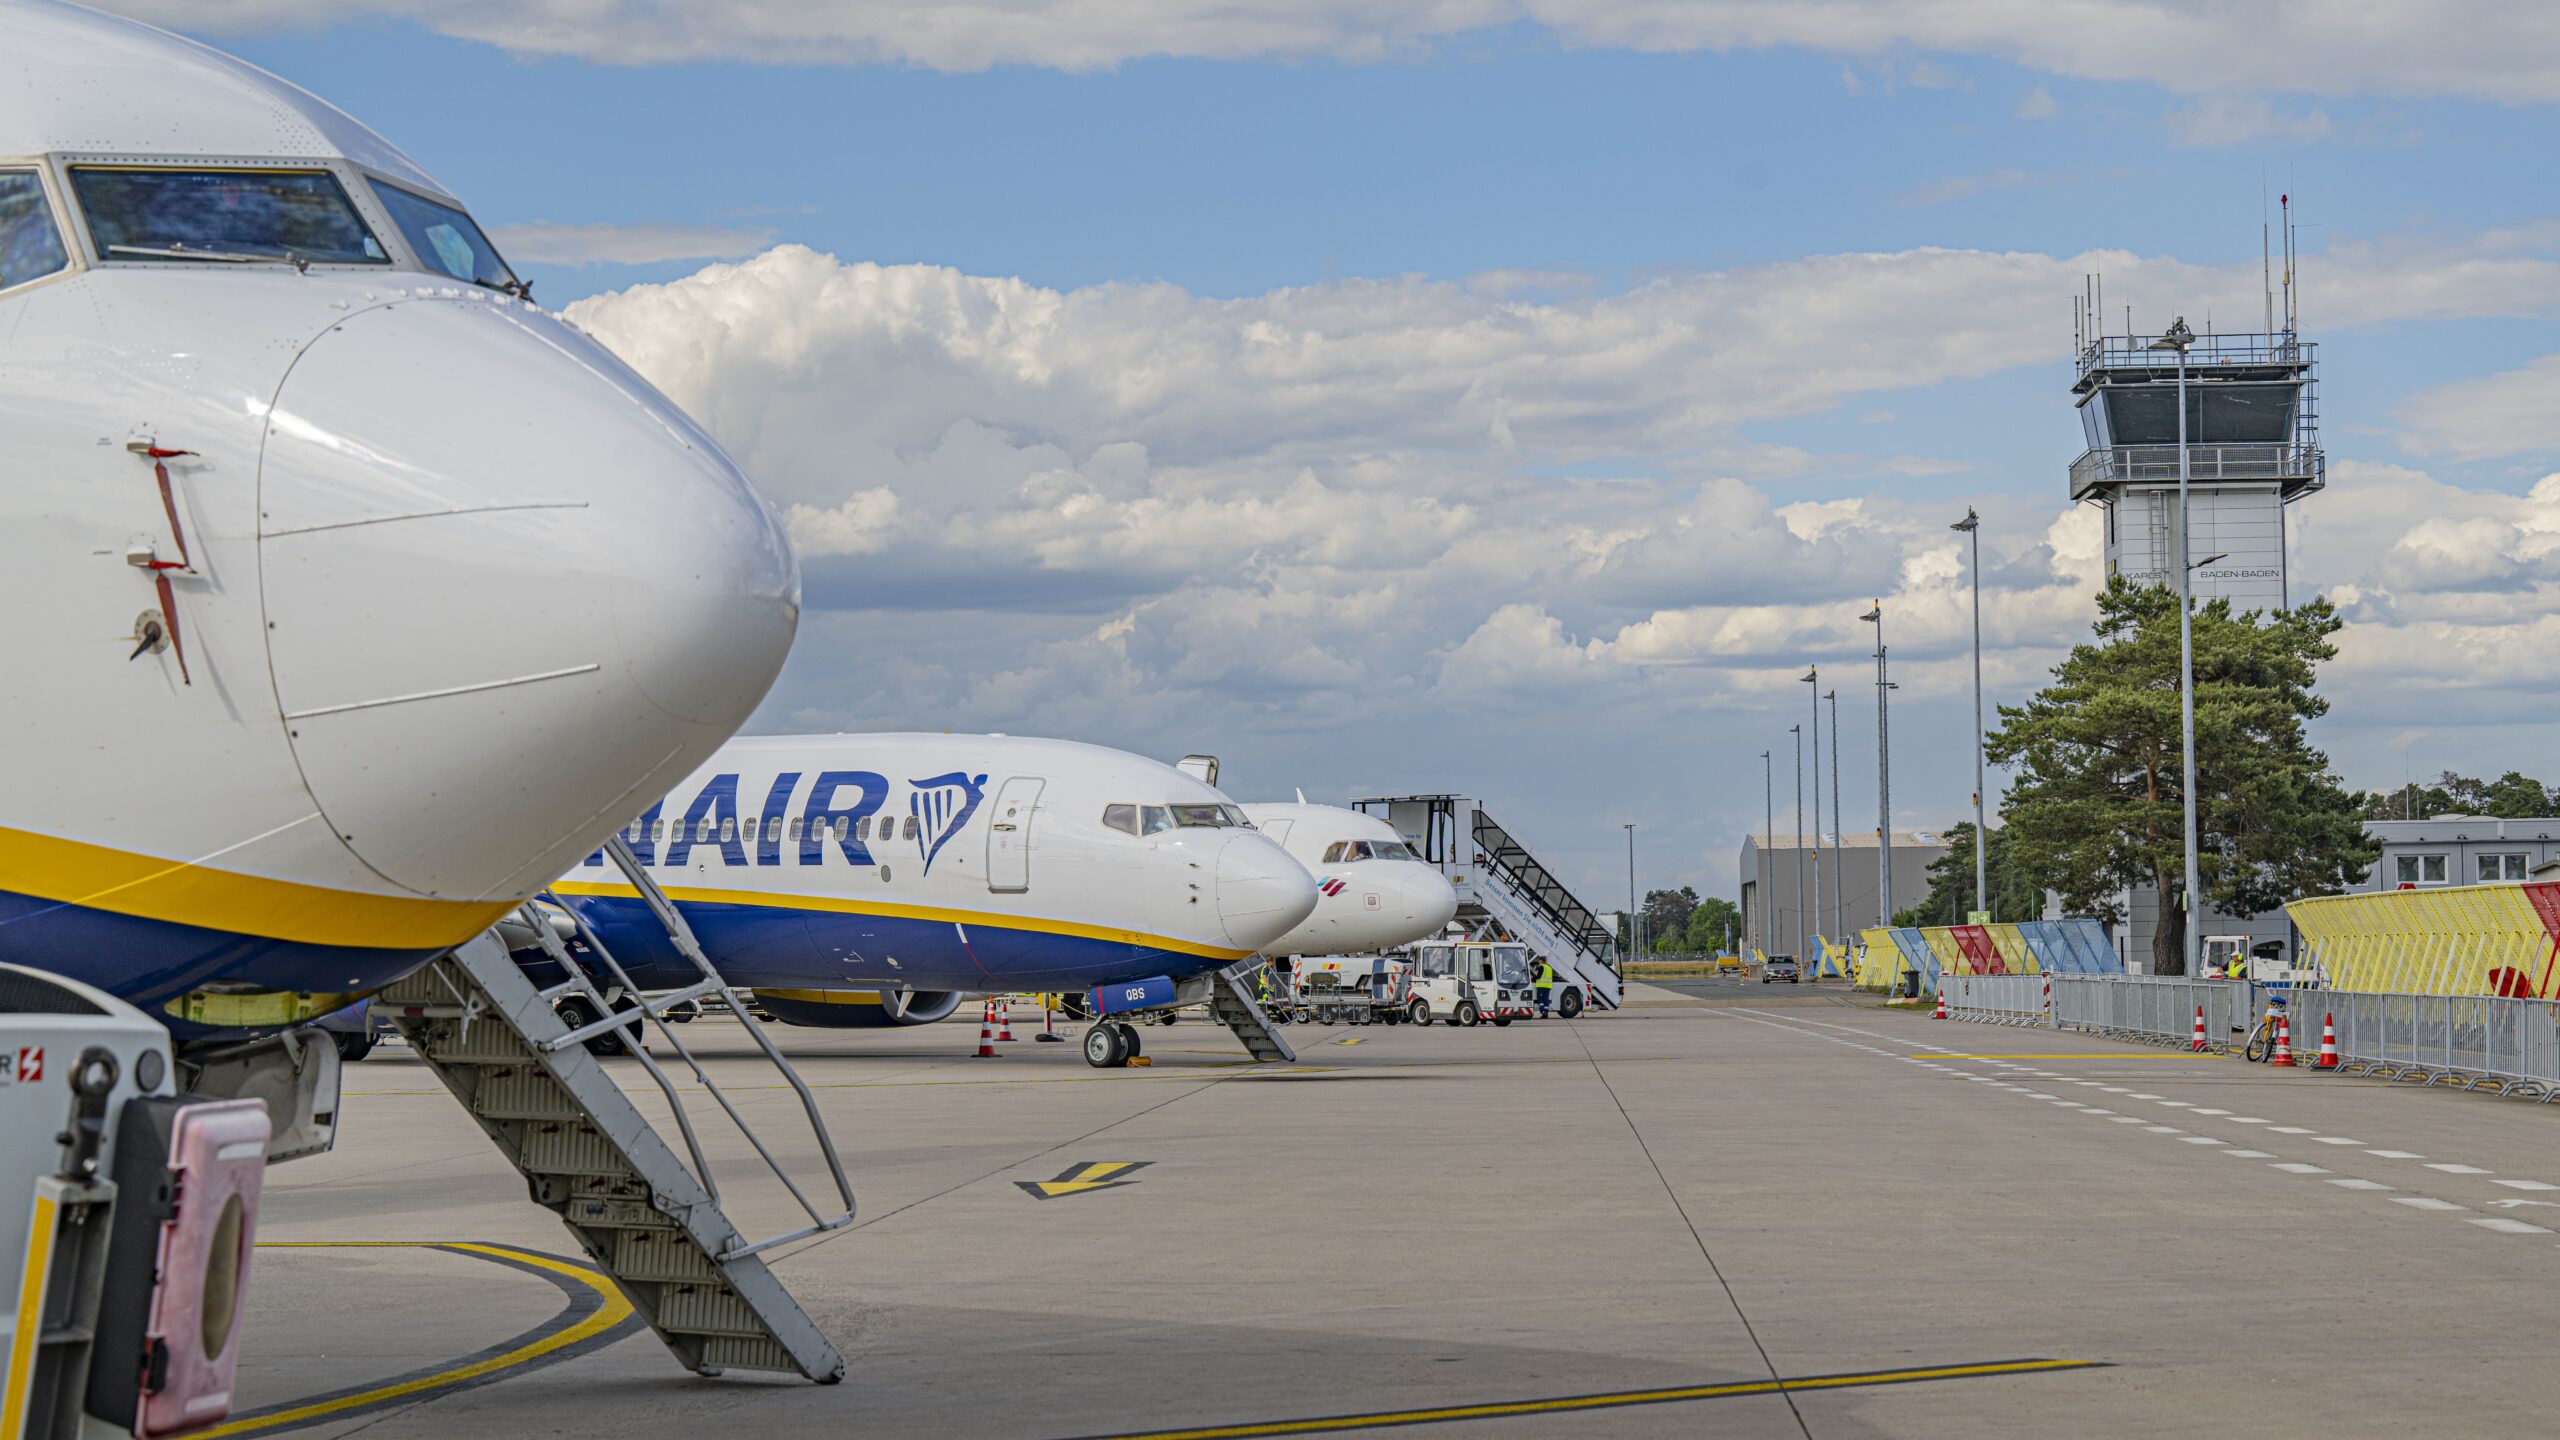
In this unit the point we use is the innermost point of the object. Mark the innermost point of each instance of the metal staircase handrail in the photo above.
(712, 983)
(1508, 859)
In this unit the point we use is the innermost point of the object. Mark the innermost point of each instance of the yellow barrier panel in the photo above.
(1879, 959)
(1942, 943)
(2014, 950)
(2449, 940)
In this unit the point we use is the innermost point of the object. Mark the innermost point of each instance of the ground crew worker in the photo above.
(1546, 987)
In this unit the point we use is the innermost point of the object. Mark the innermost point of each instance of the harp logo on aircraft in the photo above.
(941, 808)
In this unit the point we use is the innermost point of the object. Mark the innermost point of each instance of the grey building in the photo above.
(2459, 850)
(1775, 920)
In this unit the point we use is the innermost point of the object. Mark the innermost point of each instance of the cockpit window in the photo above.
(30, 246)
(445, 238)
(1210, 817)
(1156, 819)
(1123, 818)
(223, 216)
(1382, 850)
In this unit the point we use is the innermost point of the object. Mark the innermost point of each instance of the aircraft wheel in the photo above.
(1166, 1018)
(1103, 1049)
(576, 1013)
(352, 1045)
(1129, 1042)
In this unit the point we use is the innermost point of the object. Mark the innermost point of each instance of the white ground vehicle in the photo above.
(1467, 981)
(1353, 988)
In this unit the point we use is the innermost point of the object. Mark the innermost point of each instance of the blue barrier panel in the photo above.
(1916, 955)
(2088, 939)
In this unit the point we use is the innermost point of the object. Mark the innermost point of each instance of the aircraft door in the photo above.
(1009, 834)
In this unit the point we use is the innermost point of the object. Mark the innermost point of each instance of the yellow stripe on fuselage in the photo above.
(95, 877)
(835, 905)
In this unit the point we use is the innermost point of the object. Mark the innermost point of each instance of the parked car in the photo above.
(1780, 967)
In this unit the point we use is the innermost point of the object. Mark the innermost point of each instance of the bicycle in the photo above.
(2261, 1044)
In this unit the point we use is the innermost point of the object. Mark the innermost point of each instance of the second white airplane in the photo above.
(1373, 893)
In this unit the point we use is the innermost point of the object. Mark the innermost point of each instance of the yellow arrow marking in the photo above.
(1082, 1179)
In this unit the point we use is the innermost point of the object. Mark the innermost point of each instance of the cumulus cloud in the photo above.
(540, 242)
(2515, 412)
(2506, 50)
(1404, 529)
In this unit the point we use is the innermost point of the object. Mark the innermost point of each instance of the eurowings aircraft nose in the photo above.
(1262, 892)
(490, 550)
(1428, 898)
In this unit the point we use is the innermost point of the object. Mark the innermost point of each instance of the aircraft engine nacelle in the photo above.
(858, 1009)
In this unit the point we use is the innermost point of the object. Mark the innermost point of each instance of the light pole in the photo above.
(1971, 525)
(1839, 868)
(2178, 339)
(1635, 917)
(1884, 776)
(1768, 843)
(1798, 732)
(1809, 676)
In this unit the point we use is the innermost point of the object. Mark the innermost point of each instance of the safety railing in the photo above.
(2147, 1008)
(2474, 1041)
(2000, 999)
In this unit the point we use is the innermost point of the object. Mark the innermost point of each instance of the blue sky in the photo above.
(1164, 205)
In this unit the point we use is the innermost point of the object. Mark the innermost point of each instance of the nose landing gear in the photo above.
(1111, 1045)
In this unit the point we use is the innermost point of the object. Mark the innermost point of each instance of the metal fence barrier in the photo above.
(2154, 1010)
(1998, 999)
(2474, 1041)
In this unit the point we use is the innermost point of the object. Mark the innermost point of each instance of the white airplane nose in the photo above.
(492, 551)
(1428, 898)
(1262, 892)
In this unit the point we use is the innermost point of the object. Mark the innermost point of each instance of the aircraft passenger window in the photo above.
(844, 829)
(1123, 818)
(1154, 820)
(223, 216)
(791, 828)
(1335, 852)
(445, 238)
(658, 829)
(702, 830)
(747, 828)
(728, 831)
(30, 246)
(862, 828)
(911, 827)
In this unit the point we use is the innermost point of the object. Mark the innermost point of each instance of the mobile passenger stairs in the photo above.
(1503, 892)
(588, 1155)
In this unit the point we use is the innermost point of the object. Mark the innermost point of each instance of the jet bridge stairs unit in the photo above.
(1501, 885)
(590, 1156)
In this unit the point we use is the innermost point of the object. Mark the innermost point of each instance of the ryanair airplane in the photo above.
(1373, 892)
(859, 881)
(352, 596)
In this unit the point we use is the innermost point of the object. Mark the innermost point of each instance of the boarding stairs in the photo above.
(1231, 1000)
(652, 1224)
(1500, 884)
(1533, 905)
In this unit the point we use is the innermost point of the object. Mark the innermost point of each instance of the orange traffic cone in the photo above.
(2284, 1042)
(1942, 1004)
(1004, 1020)
(2198, 1043)
(986, 1034)
(2328, 1043)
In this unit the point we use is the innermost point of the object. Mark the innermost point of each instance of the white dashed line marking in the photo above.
(2397, 1154)
(2462, 1170)
(2212, 1112)
(2296, 1167)
(2094, 1110)
(2177, 1104)
(2292, 1130)
(2249, 1154)
(2334, 1140)
(2138, 1095)
(2164, 1129)
(2115, 1089)
(2508, 1227)
(2202, 1140)
(2525, 1184)
(2351, 1184)
(2422, 1202)
(2129, 1120)
(2249, 1120)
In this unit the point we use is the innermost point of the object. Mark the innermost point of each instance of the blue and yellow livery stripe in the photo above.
(147, 887)
(836, 905)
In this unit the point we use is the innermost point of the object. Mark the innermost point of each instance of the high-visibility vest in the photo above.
(1546, 976)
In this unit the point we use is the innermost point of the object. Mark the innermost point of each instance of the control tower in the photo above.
(2253, 447)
